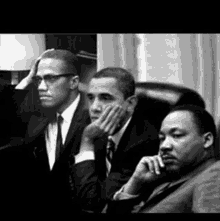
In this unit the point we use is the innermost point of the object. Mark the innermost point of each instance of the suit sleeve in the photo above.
(206, 198)
(92, 191)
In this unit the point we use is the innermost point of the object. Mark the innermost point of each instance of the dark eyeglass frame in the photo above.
(49, 78)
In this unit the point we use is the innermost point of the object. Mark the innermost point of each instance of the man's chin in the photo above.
(171, 168)
(93, 119)
(47, 106)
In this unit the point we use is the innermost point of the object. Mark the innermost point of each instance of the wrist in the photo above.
(86, 145)
(23, 84)
(133, 186)
(86, 140)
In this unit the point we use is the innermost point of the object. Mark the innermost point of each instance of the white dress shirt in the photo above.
(51, 132)
(90, 155)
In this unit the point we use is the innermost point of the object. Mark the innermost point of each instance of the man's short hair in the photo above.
(70, 59)
(202, 118)
(125, 80)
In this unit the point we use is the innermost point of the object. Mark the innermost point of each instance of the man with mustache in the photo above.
(53, 138)
(114, 142)
(184, 177)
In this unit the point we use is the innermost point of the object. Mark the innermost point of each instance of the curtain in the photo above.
(191, 60)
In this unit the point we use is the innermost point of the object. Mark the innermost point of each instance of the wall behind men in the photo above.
(191, 60)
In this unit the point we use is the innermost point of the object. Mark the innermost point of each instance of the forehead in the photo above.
(51, 66)
(104, 85)
(179, 119)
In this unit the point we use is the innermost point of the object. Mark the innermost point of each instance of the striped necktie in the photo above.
(109, 154)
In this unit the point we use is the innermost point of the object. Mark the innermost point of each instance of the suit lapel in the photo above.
(36, 128)
(76, 121)
(135, 134)
(166, 186)
(35, 138)
(161, 191)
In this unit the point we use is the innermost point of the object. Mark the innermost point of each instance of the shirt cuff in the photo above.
(86, 155)
(120, 195)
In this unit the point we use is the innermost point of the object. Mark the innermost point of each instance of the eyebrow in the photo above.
(173, 130)
(101, 94)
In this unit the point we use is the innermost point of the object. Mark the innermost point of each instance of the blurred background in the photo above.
(19, 51)
(191, 60)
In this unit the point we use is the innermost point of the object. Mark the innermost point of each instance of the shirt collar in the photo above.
(69, 111)
(116, 137)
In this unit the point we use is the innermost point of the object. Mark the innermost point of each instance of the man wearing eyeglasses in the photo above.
(54, 138)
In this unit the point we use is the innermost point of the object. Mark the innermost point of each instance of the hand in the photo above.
(148, 170)
(27, 80)
(105, 124)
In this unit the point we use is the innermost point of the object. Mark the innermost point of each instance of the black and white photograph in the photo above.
(109, 123)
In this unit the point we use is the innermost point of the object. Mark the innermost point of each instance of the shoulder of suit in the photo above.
(213, 168)
(210, 174)
(35, 121)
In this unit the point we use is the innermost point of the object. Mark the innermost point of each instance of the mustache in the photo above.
(44, 95)
(167, 156)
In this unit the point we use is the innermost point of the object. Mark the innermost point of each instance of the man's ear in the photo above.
(208, 140)
(74, 82)
(132, 102)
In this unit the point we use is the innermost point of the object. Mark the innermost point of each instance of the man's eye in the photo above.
(90, 97)
(50, 78)
(177, 135)
(107, 98)
(36, 78)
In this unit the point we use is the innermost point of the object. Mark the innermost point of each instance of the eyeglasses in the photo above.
(49, 78)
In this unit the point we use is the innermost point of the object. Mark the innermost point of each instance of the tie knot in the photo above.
(59, 119)
(111, 145)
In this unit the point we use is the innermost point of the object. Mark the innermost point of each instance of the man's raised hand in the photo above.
(105, 124)
(27, 80)
(148, 170)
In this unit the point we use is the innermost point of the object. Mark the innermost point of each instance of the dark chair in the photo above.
(156, 99)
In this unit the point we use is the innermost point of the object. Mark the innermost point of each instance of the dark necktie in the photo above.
(59, 143)
(109, 153)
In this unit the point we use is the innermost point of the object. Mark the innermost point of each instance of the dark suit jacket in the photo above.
(14, 159)
(26, 180)
(12, 124)
(196, 192)
(93, 189)
(53, 186)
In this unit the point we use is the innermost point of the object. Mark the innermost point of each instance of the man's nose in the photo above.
(96, 106)
(42, 85)
(166, 144)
